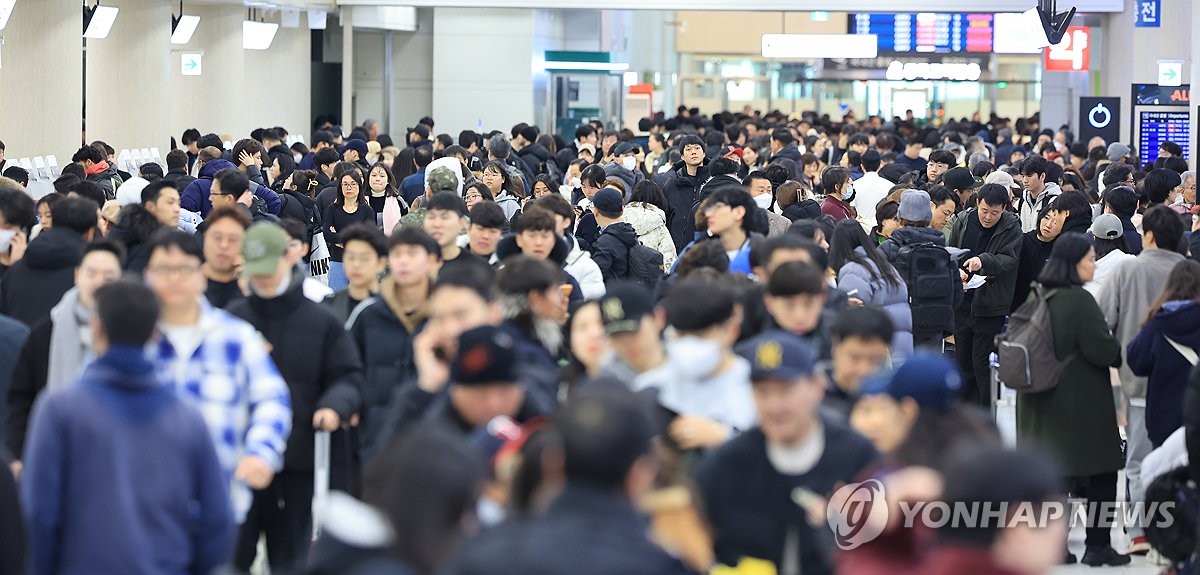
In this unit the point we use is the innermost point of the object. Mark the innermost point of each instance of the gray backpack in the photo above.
(1026, 351)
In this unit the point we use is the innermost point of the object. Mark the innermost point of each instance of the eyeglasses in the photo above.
(715, 206)
(474, 196)
(179, 270)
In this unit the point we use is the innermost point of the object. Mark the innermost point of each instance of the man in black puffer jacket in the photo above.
(33, 286)
(324, 387)
(617, 238)
(682, 190)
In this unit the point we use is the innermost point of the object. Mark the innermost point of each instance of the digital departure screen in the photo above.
(1156, 127)
(926, 32)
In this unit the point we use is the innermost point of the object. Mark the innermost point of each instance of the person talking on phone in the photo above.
(992, 236)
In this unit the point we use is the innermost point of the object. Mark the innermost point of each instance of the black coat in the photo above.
(28, 380)
(750, 504)
(790, 152)
(532, 157)
(385, 346)
(588, 530)
(682, 192)
(803, 210)
(178, 178)
(611, 252)
(34, 285)
(315, 356)
(999, 263)
(1034, 253)
(134, 227)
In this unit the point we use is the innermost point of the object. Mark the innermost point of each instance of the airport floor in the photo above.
(1006, 419)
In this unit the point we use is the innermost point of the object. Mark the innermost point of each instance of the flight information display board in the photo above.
(926, 32)
(1156, 125)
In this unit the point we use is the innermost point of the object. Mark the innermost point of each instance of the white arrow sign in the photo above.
(1170, 72)
(190, 63)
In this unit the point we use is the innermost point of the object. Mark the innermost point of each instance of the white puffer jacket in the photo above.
(650, 223)
(585, 271)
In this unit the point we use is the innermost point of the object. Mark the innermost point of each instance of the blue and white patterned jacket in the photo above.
(231, 379)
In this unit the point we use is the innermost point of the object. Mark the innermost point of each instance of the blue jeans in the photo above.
(337, 276)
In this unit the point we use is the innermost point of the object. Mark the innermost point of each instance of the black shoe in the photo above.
(1070, 560)
(1097, 556)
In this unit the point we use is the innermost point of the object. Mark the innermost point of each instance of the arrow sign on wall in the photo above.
(190, 63)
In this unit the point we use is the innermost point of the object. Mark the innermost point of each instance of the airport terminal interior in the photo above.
(638, 286)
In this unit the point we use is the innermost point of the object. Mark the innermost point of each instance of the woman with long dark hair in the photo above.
(647, 213)
(508, 193)
(865, 274)
(350, 208)
(404, 165)
(1076, 420)
(1166, 348)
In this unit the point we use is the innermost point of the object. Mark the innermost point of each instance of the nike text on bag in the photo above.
(1026, 351)
(930, 273)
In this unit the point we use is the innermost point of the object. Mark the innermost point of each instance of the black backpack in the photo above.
(1174, 539)
(934, 289)
(645, 266)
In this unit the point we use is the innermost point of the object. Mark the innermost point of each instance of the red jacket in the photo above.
(837, 208)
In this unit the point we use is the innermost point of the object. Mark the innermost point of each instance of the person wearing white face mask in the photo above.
(626, 165)
(762, 191)
(839, 193)
(703, 386)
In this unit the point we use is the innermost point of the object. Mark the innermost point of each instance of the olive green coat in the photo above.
(1076, 421)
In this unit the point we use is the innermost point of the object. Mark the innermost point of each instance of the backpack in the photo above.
(932, 279)
(645, 266)
(1175, 540)
(1026, 351)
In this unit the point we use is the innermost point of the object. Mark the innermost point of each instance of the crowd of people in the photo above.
(661, 351)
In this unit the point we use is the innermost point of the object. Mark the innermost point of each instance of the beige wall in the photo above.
(412, 64)
(128, 78)
(241, 90)
(741, 32)
(136, 96)
(41, 104)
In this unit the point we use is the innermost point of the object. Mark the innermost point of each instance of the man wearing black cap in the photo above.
(634, 329)
(961, 182)
(682, 190)
(355, 151)
(626, 165)
(611, 250)
(592, 528)
(418, 137)
(765, 490)
(484, 384)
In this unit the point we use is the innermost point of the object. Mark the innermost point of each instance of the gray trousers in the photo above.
(1137, 446)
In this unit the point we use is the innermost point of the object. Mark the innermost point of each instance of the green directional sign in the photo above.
(190, 63)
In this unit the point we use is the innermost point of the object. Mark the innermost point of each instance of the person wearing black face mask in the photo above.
(839, 193)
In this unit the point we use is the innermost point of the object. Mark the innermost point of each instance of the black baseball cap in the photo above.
(623, 307)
